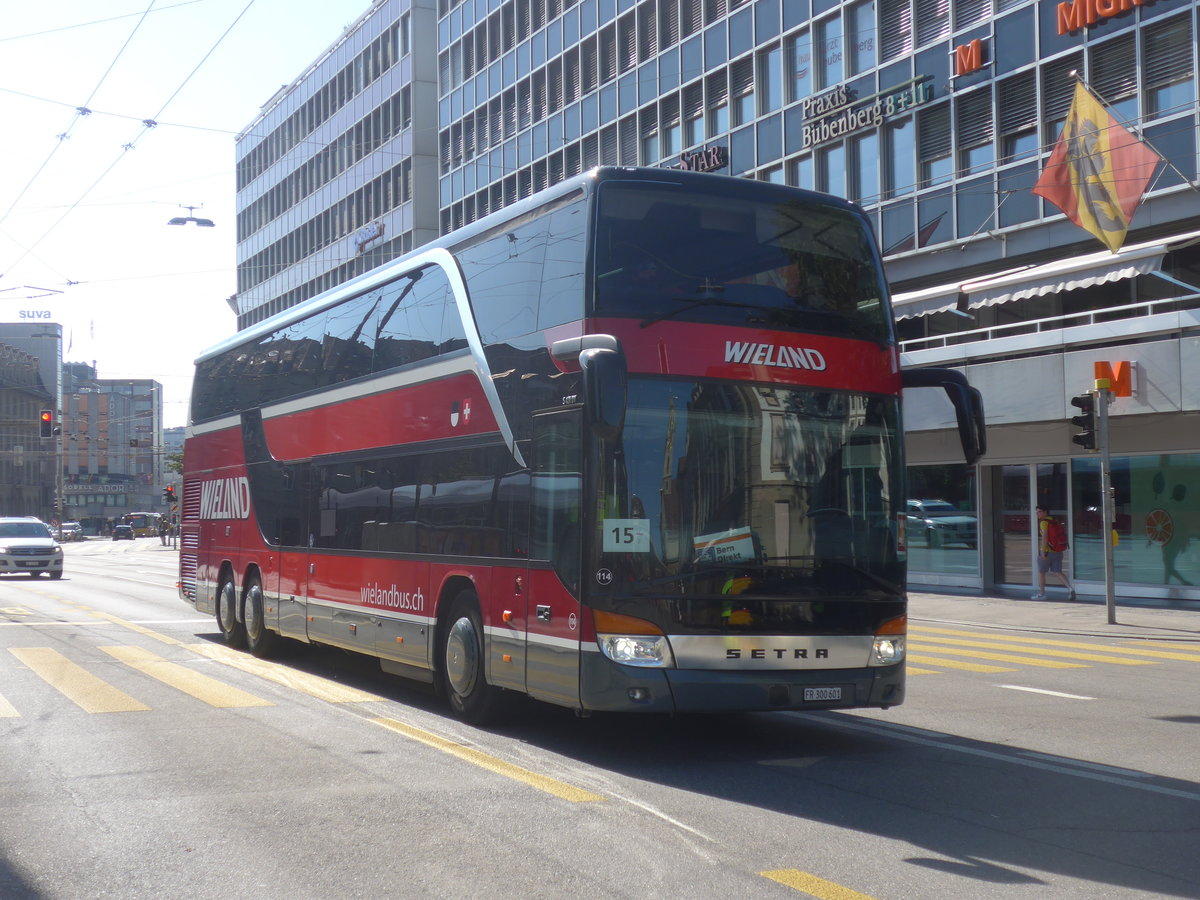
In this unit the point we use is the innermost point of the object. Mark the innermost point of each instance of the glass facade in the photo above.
(1157, 522)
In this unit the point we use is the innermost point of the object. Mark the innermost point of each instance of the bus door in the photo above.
(556, 519)
(285, 525)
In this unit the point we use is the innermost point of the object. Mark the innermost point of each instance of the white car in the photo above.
(937, 523)
(28, 548)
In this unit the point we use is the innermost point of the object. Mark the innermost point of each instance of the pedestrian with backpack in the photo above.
(1052, 542)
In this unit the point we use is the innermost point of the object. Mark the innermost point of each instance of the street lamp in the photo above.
(183, 220)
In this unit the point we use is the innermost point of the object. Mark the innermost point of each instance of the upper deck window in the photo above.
(784, 259)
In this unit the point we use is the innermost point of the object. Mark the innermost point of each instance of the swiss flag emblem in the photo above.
(460, 412)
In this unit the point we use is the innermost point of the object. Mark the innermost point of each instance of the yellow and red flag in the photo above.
(1098, 171)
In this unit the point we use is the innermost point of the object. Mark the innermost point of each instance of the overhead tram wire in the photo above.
(147, 125)
(80, 112)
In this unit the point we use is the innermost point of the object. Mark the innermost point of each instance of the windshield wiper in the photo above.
(705, 298)
(874, 579)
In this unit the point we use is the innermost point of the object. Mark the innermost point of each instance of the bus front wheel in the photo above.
(261, 640)
(232, 630)
(471, 697)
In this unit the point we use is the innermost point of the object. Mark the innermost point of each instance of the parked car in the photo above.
(70, 531)
(28, 548)
(122, 533)
(938, 523)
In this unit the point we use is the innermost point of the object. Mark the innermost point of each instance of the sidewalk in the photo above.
(1136, 619)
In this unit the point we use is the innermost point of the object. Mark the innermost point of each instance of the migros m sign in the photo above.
(1079, 14)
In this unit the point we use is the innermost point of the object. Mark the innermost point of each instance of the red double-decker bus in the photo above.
(633, 443)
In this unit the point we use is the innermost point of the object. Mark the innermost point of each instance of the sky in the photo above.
(115, 115)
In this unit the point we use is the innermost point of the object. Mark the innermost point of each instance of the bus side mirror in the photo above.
(967, 401)
(605, 385)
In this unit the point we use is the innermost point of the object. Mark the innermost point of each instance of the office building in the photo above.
(937, 116)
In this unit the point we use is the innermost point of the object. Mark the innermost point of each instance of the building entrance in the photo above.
(1016, 491)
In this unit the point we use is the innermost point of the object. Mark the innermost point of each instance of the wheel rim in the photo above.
(253, 612)
(225, 613)
(462, 656)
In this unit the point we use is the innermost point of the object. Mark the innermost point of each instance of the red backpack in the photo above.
(1056, 535)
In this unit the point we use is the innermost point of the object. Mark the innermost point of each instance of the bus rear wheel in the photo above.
(471, 697)
(260, 640)
(232, 630)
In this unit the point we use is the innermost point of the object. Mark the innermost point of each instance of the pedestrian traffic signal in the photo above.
(46, 421)
(1086, 420)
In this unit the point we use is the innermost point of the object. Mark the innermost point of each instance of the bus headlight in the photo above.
(632, 641)
(887, 650)
(888, 647)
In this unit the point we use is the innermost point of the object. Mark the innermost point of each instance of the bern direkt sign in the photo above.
(839, 113)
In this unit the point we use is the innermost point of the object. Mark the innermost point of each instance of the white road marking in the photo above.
(1017, 687)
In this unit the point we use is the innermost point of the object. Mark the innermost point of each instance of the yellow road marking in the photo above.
(209, 690)
(1066, 654)
(138, 628)
(914, 670)
(492, 764)
(956, 664)
(77, 684)
(814, 886)
(7, 710)
(314, 685)
(1009, 657)
(1193, 656)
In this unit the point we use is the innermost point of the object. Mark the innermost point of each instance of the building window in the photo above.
(899, 158)
(895, 29)
(770, 79)
(1058, 88)
(799, 57)
(693, 114)
(718, 104)
(831, 170)
(830, 67)
(865, 172)
(1113, 74)
(933, 146)
(668, 116)
(933, 20)
(1016, 103)
(649, 136)
(862, 37)
(975, 130)
(1167, 54)
(741, 78)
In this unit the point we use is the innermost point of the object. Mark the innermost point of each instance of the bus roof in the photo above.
(579, 183)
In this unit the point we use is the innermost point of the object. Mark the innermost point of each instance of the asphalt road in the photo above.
(140, 759)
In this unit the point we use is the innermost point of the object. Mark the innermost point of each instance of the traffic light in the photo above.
(1086, 420)
(46, 420)
(169, 495)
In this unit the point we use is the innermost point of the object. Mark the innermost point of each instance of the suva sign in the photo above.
(36, 314)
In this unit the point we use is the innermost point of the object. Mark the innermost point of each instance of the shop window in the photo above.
(942, 520)
(1155, 521)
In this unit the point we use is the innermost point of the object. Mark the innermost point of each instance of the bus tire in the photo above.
(260, 640)
(232, 630)
(462, 671)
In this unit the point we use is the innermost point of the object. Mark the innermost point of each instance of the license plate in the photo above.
(823, 693)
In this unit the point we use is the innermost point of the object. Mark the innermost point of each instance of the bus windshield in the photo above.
(753, 490)
(792, 262)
